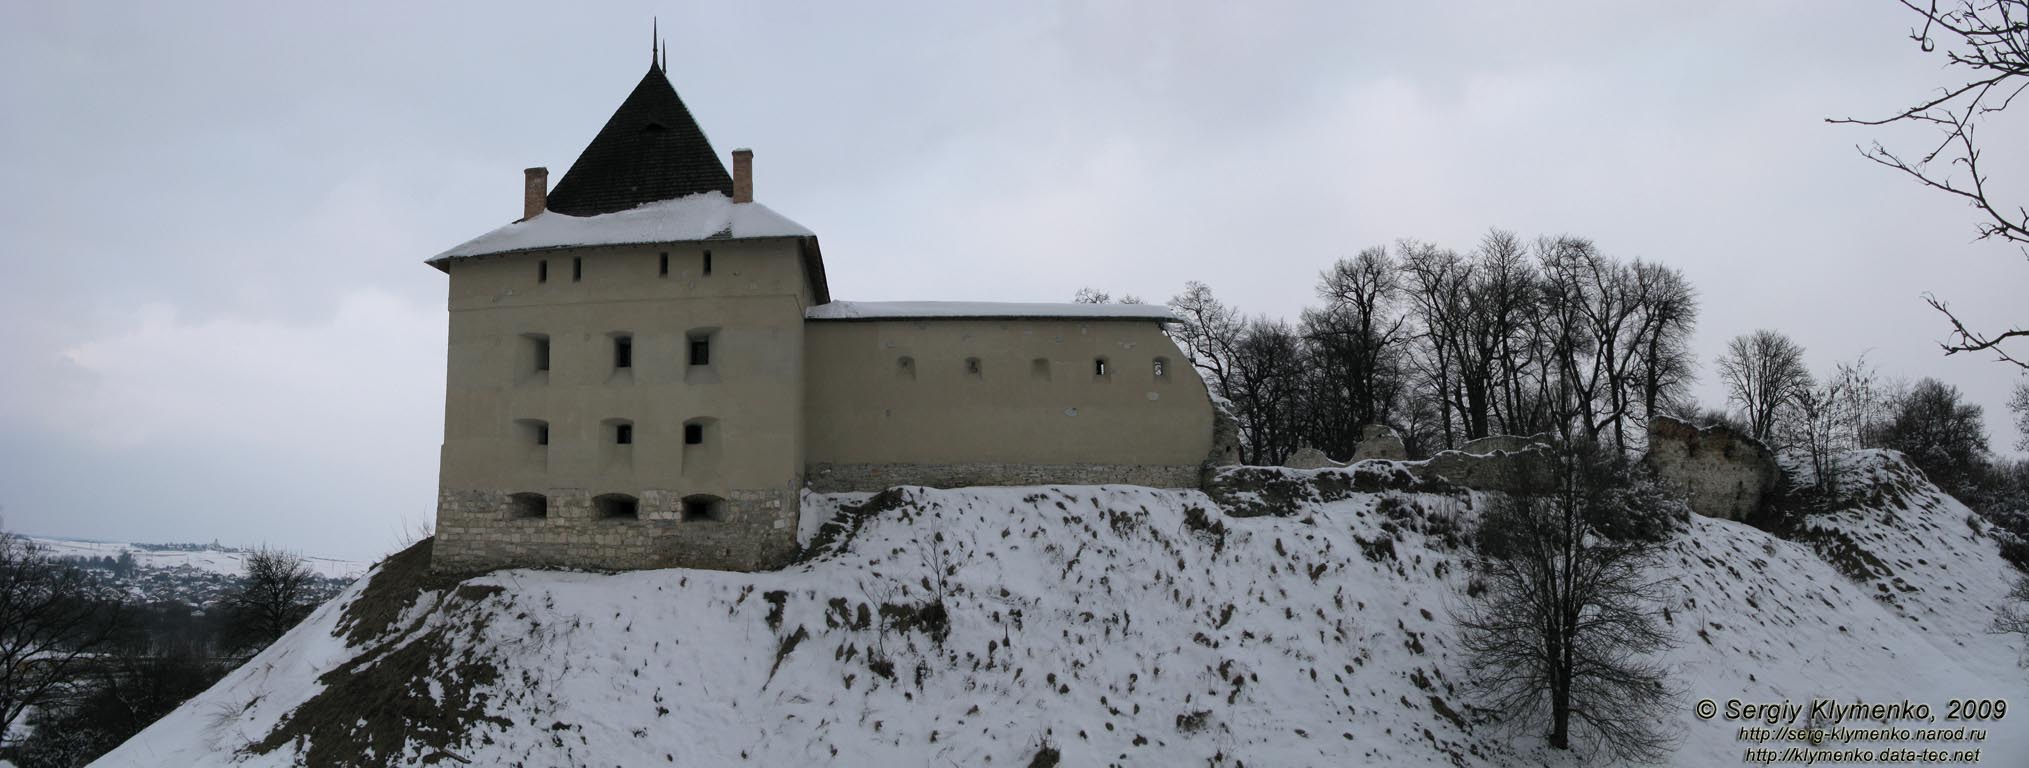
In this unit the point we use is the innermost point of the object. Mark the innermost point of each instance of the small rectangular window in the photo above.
(542, 271)
(1099, 367)
(693, 434)
(708, 262)
(623, 351)
(542, 354)
(542, 434)
(623, 434)
(700, 350)
(577, 268)
(665, 264)
(1161, 367)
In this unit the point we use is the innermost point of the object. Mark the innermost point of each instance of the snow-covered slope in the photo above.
(1102, 625)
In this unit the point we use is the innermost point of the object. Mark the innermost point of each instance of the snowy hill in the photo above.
(1094, 625)
(211, 558)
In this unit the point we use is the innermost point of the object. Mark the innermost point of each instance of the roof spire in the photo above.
(655, 42)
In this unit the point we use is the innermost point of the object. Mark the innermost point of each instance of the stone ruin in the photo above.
(1718, 471)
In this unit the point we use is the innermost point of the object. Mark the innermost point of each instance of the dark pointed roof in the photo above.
(651, 149)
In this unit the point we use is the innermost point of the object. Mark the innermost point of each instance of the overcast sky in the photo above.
(217, 323)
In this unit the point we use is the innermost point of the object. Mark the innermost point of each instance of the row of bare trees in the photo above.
(1512, 337)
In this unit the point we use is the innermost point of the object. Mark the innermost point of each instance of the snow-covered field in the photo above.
(1108, 625)
(219, 560)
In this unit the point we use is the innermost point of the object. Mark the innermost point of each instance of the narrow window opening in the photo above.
(542, 271)
(537, 359)
(701, 508)
(972, 366)
(1099, 367)
(708, 262)
(617, 506)
(664, 269)
(693, 434)
(535, 431)
(623, 434)
(623, 351)
(577, 268)
(700, 350)
(528, 505)
(1162, 368)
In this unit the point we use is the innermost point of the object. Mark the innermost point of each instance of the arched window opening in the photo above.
(617, 506)
(703, 508)
(527, 506)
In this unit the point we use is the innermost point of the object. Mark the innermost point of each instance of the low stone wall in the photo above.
(1509, 443)
(476, 531)
(1719, 472)
(835, 478)
(1307, 457)
(1528, 471)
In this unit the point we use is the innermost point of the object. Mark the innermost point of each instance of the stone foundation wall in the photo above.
(476, 531)
(835, 478)
(1719, 472)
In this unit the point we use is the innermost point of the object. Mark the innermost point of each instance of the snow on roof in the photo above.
(694, 217)
(920, 310)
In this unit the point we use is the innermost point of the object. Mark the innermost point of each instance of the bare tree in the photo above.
(1988, 40)
(1209, 333)
(53, 620)
(274, 594)
(2019, 404)
(1764, 373)
(1562, 620)
(2013, 616)
(1830, 417)
(1942, 434)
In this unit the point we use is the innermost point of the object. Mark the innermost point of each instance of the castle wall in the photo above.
(747, 399)
(1719, 472)
(896, 402)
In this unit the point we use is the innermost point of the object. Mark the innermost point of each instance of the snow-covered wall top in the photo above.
(916, 310)
(695, 217)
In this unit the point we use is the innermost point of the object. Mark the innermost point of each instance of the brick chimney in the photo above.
(743, 175)
(535, 192)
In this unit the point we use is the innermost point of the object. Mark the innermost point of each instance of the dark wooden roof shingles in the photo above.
(651, 149)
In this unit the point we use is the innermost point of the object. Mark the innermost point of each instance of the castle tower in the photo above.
(625, 374)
